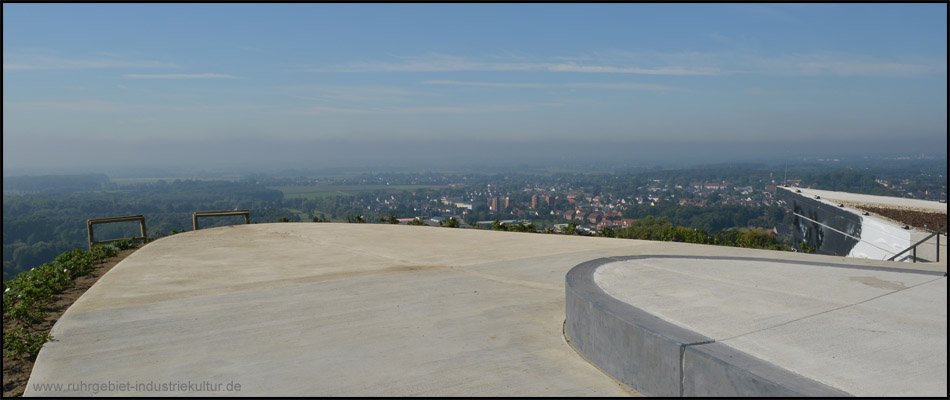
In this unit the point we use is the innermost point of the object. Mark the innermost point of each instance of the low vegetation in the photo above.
(449, 222)
(26, 298)
(649, 228)
(496, 225)
(661, 229)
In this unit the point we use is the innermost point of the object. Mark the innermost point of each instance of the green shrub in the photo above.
(100, 252)
(449, 222)
(521, 227)
(806, 248)
(28, 311)
(25, 297)
(17, 342)
(128, 243)
(570, 229)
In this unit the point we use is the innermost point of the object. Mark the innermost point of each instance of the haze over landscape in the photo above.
(89, 87)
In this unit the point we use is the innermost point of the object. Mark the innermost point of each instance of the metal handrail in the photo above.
(914, 246)
(221, 213)
(95, 221)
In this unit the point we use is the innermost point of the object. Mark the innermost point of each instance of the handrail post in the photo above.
(91, 235)
(144, 235)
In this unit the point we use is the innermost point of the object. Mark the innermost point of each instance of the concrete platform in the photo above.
(391, 310)
(873, 200)
(728, 326)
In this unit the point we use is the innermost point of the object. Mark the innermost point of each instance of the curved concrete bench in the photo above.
(658, 358)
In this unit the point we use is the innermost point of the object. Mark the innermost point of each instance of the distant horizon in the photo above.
(396, 85)
(569, 163)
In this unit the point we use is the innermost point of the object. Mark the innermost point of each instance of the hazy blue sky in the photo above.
(294, 80)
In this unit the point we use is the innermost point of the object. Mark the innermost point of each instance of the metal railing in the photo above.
(913, 247)
(196, 214)
(91, 222)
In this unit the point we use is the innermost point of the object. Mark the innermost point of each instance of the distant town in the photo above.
(570, 200)
(592, 201)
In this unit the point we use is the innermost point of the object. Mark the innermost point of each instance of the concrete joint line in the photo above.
(831, 310)
(683, 362)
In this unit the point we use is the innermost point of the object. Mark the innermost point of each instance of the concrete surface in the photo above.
(352, 310)
(852, 329)
(332, 310)
(872, 200)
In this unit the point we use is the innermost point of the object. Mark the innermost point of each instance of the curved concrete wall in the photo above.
(657, 358)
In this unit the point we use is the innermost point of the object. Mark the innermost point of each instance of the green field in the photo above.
(323, 190)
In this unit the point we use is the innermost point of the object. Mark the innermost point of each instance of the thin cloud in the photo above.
(470, 109)
(446, 63)
(635, 70)
(817, 64)
(676, 64)
(87, 105)
(858, 68)
(428, 63)
(579, 58)
(179, 76)
(106, 106)
(622, 86)
(18, 62)
(352, 93)
(575, 85)
(487, 84)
